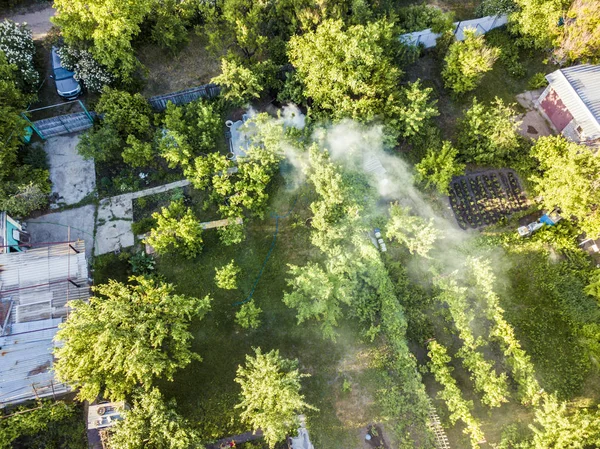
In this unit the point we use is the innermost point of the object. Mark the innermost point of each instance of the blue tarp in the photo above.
(547, 220)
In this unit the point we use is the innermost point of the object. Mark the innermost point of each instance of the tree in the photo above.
(126, 336)
(349, 72)
(558, 427)
(86, 69)
(43, 425)
(27, 198)
(248, 316)
(240, 84)
(538, 22)
(101, 143)
(226, 276)
(16, 42)
(419, 17)
(177, 229)
(568, 180)
(190, 131)
(316, 295)
(438, 167)
(489, 134)
(124, 112)
(580, 36)
(152, 423)
(415, 232)
(467, 62)
(109, 24)
(415, 109)
(270, 397)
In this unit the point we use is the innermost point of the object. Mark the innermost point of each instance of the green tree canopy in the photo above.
(47, 425)
(537, 21)
(416, 233)
(226, 276)
(190, 130)
(467, 62)
(126, 336)
(580, 37)
(153, 423)
(240, 84)
(349, 72)
(489, 134)
(569, 180)
(177, 229)
(270, 398)
(439, 166)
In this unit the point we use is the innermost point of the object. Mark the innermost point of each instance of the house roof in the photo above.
(579, 89)
(35, 286)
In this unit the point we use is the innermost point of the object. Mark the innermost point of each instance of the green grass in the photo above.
(206, 392)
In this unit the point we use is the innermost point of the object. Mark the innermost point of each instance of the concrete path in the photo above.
(115, 216)
(73, 178)
(533, 124)
(38, 21)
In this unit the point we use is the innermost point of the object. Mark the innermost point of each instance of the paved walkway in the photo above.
(38, 21)
(115, 216)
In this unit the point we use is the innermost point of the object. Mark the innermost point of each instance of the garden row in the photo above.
(484, 199)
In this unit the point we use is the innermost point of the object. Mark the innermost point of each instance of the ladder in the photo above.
(441, 440)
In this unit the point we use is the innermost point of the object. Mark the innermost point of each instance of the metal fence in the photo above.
(159, 103)
(428, 38)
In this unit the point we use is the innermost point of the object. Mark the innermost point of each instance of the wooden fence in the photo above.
(159, 103)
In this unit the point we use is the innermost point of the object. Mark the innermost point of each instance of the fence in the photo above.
(159, 103)
(428, 38)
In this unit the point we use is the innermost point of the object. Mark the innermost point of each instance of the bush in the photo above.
(177, 229)
(248, 316)
(226, 276)
(100, 143)
(143, 226)
(94, 75)
(16, 42)
(419, 17)
(509, 51)
(467, 62)
(232, 234)
(537, 81)
(141, 263)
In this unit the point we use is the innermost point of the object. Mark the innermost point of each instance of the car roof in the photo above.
(55, 59)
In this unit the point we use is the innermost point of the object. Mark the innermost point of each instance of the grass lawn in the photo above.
(205, 391)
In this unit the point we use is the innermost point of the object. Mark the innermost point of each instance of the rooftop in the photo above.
(35, 286)
(579, 89)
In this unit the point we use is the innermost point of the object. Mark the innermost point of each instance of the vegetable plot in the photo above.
(485, 198)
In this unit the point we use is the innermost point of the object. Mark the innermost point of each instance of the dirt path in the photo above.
(38, 21)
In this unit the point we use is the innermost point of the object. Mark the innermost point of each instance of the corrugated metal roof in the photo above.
(37, 283)
(579, 89)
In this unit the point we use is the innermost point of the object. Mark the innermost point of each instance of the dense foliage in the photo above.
(86, 69)
(152, 423)
(226, 276)
(467, 61)
(16, 43)
(177, 229)
(439, 166)
(568, 180)
(488, 134)
(43, 425)
(126, 336)
(270, 399)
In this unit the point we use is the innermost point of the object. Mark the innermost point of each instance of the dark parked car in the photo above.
(66, 85)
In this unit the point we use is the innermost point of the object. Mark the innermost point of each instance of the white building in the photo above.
(571, 103)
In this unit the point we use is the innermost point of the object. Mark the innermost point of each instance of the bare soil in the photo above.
(193, 66)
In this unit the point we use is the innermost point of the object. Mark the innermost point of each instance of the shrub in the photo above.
(419, 17)
(16, 42)
(467, 62)
(226, 276)
(248, 316)
(509, 51)
(240, 84)
(101, 143)
(28, 198)
(143, 226)
(94, 75)
(232, 234)
(537, 81)
(141, 263)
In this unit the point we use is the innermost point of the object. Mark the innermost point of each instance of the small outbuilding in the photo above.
(571, 103)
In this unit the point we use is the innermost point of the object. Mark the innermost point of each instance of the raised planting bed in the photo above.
(482, 199)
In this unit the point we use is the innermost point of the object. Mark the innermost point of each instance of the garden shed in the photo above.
(571, 102)
(35, 286)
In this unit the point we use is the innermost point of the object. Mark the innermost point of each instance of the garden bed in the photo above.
(483, 199)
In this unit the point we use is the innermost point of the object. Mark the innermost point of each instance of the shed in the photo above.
(35, 286)
(571, 102)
